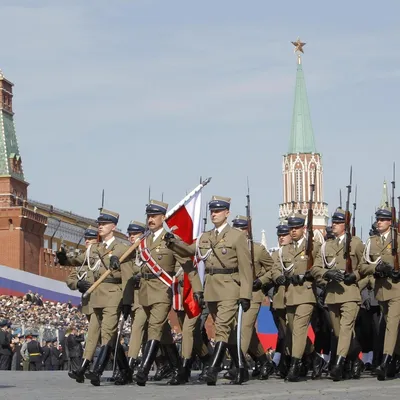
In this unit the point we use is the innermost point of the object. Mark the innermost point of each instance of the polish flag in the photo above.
(187, 217)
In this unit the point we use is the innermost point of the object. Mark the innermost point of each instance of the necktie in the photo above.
(216, 234)
(296, 245)
(338, 241)
(383, 240)
(151, 239)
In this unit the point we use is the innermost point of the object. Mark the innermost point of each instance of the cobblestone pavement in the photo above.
(57, 386)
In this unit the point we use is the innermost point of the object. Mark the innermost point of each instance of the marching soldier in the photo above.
(155, 293)
(278, 308)
(342, 293)
(291, 270)
(138, 316)
(192, 342)
(106, 299)
(81, 279)
(250, 342)
(228, 278)
(378, 260)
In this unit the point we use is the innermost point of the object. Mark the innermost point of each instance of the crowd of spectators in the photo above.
(32, 313)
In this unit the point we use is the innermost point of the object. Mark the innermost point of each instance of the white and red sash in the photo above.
(163, 276)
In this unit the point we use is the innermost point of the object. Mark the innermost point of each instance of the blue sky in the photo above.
(160, 93)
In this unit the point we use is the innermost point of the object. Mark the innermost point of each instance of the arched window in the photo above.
(299, 185)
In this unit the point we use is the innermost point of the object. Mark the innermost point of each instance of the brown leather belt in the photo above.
(152, 276)
(116, 281)
(215, 271)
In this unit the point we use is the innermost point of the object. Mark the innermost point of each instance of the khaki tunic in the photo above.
(296, 294)
(154, 291)
(232, 250)
(84, 274)
(339, 292)
(278, 299)
(263, 264)
(385, 289)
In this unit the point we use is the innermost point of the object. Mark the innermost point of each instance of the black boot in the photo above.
(267, 367)
(79, 374)
(337, 369)
(149, 354)
(100, 365)
(242, 375)
(283, 367)
(205, 360)
(174, 359)
(164, 369)
(125, 372)
(211, 375)
(392, 368)
(318, 364)
(357, 368)
(294, 370)
(182, 376)
(381, 371)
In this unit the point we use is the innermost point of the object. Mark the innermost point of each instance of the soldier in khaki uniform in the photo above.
(379, 261)
(291, 269)
(228, 277)
(278, 308)
(192, 342)
(342, 293)
(106, 298)
(250, 342)
(81, 279)
(155, 296)
(136, 312)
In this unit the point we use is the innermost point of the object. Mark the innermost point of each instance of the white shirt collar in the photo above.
(385, 235)
(109, 241)
(221, 228)
(341, 237)
(157, 234)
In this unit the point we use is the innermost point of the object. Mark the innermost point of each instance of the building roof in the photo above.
(10, 159)
(302, 135)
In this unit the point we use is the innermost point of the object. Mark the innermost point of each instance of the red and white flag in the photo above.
(187, 217)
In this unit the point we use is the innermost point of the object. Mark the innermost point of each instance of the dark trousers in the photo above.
(5, 362)
(322, 327)
(35, 365)
(75, 362)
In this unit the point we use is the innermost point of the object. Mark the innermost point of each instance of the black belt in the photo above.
(116, 281)
(214, 271)
(152, 276)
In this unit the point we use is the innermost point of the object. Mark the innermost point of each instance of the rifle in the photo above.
(353, 225)
(393, 229)
(340, 198)
(99, 240)
(205, 219)
(398, 218)
(310, 232)
(249, 227)
(347, 237)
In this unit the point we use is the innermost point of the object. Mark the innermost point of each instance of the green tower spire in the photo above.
(302, 135)
(10, 159)
(385, 196)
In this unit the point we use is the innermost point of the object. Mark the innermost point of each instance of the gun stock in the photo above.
(347, 223)
(310, 232)
(394, 227)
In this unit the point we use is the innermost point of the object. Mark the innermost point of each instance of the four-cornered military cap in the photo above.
(3, 323)
(339, 216)
(219, 203)
(240, 221)
(136, 227)
(282, 230)
(384, 213)
(90, 232)
(296, 221)
(108, 216)
(156, 207)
